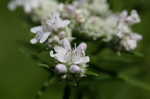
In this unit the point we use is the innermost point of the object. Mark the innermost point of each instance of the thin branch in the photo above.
(67, 92)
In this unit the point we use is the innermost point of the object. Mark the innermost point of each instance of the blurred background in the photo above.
(20, 78)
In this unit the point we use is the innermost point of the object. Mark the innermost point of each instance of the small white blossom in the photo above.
(129, 41)
(130, 19)
(71, 57)
(41, 34)
(56, 23)
(51, 30)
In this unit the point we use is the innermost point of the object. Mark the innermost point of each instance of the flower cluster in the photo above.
(71, 60)
(52, 30)
(128, 39)
(93, 18)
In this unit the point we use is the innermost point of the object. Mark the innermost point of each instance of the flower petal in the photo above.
(36, 29)
(66, 44)
(81, 60)
(60, 54)
(44, 37)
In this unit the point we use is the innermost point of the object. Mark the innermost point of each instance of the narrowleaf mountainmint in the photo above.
(52, 29)
(88, 22)
(128, 39)
(74, 59)
(56, 23)
(132, 19)
(61, 23)
(41, 33)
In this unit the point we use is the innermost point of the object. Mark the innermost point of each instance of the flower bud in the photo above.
(61, 68)
(75, 69)
(33, 41)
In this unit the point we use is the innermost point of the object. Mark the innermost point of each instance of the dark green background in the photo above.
(20, 78)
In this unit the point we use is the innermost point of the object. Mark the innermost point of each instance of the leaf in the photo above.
(91, 73)
(44, 66)
(36, 57)
(135, 82)
(44, 87)
(138, 54)
(38, 48)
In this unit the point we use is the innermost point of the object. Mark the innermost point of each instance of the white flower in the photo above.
(56, 23)
(66, 54)
(132, 19)
(129, 41)
(28, 5)
(51, 30)
(71, 57)
(124, 21)
(101, 27)
(41, 34)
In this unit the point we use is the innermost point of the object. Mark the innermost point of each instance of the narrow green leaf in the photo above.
(44, 87)
(135, 82)
(92, 73)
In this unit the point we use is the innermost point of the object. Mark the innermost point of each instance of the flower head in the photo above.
(52, 29)
(41, 34)
(74, 59)
(56, 23)
(129, 41)
(130, 19)
(28, 5)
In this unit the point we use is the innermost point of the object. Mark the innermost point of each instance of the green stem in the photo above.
(104, 71)
(67, 92)
(79, 92)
